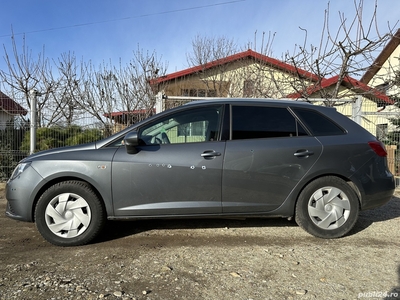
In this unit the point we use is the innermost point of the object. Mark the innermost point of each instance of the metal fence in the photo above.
(15, 136)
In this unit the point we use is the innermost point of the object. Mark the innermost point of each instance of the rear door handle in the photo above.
(210, 154)
(303, 153)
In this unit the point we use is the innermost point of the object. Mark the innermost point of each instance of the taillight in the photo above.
(378, 147)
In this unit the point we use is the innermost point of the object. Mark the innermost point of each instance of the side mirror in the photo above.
(131, 141)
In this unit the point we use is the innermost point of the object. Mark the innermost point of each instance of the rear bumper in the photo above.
(375, 183)
(379, 193)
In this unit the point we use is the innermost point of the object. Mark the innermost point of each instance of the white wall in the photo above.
(4, 118)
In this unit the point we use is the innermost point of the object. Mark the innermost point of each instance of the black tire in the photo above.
(69, 213)
(328, 208)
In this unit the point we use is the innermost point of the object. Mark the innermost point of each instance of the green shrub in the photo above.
(55, 137)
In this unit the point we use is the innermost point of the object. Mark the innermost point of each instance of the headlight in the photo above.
(18, 170)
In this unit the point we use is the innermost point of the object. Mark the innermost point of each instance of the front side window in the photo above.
(189, 126)
(256, 122)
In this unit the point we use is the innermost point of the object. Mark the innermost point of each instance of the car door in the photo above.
(268, 154)
(177, 169)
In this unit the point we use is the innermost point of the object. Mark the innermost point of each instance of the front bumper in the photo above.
(21, 193)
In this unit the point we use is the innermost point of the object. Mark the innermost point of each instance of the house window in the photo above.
(211, 93)
(198, 93)
(193, 129)
(248, 88)
(381, 131)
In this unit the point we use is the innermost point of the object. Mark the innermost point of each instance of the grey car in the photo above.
(214, 158)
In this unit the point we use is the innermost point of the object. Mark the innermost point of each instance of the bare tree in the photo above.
(24, 72)
(134, 87)
(66, 105)
(208, 49)
(68, 88)
(98, 95)
(210, 55)
(231, 71)
(124, 89)
(343, 52)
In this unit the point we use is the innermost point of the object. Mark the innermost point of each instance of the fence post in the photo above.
(391, 158)
(356, 110)
(33, 125)
(159, 102)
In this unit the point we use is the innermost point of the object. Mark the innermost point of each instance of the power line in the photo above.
(126, 18)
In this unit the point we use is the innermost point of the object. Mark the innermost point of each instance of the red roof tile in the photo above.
(235, 57)
(347, 82)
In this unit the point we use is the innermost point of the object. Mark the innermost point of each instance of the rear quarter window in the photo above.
(318, 123)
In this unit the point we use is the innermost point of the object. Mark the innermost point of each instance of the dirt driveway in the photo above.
(205, 259)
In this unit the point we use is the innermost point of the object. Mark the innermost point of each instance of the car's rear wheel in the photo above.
(69, 213)
(327, 208)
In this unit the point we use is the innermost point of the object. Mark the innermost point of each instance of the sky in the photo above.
(111, 30)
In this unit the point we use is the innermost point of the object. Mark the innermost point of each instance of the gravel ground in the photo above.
(205, 259)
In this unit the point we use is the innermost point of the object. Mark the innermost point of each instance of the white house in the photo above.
(8, 110)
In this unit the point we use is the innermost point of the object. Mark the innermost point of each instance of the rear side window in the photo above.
(317, 123)
(257, 122)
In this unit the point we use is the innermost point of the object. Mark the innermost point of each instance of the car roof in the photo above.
(248, 101)
(211, 101)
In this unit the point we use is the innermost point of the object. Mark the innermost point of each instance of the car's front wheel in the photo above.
(69, 213)
(327, 208)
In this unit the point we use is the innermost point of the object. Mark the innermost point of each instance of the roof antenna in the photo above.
(255, 40)
(262, 43)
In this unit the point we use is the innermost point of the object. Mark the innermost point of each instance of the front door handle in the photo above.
(210, 154)
(303, 153)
